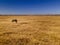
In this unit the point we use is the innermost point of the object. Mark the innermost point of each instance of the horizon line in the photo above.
(29, 14)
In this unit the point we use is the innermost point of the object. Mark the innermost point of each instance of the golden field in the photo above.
(30, 30)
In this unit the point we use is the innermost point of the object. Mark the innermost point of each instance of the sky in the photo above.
(29, 6)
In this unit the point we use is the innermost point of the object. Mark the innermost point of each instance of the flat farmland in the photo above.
(30, 30)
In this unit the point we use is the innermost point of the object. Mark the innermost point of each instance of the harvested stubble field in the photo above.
(30, 30)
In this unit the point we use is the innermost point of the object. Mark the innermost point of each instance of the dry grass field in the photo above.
(30, 30)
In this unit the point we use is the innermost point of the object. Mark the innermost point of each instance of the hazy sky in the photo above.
(29, 6)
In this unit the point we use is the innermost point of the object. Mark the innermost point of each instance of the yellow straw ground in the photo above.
(30, 30)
